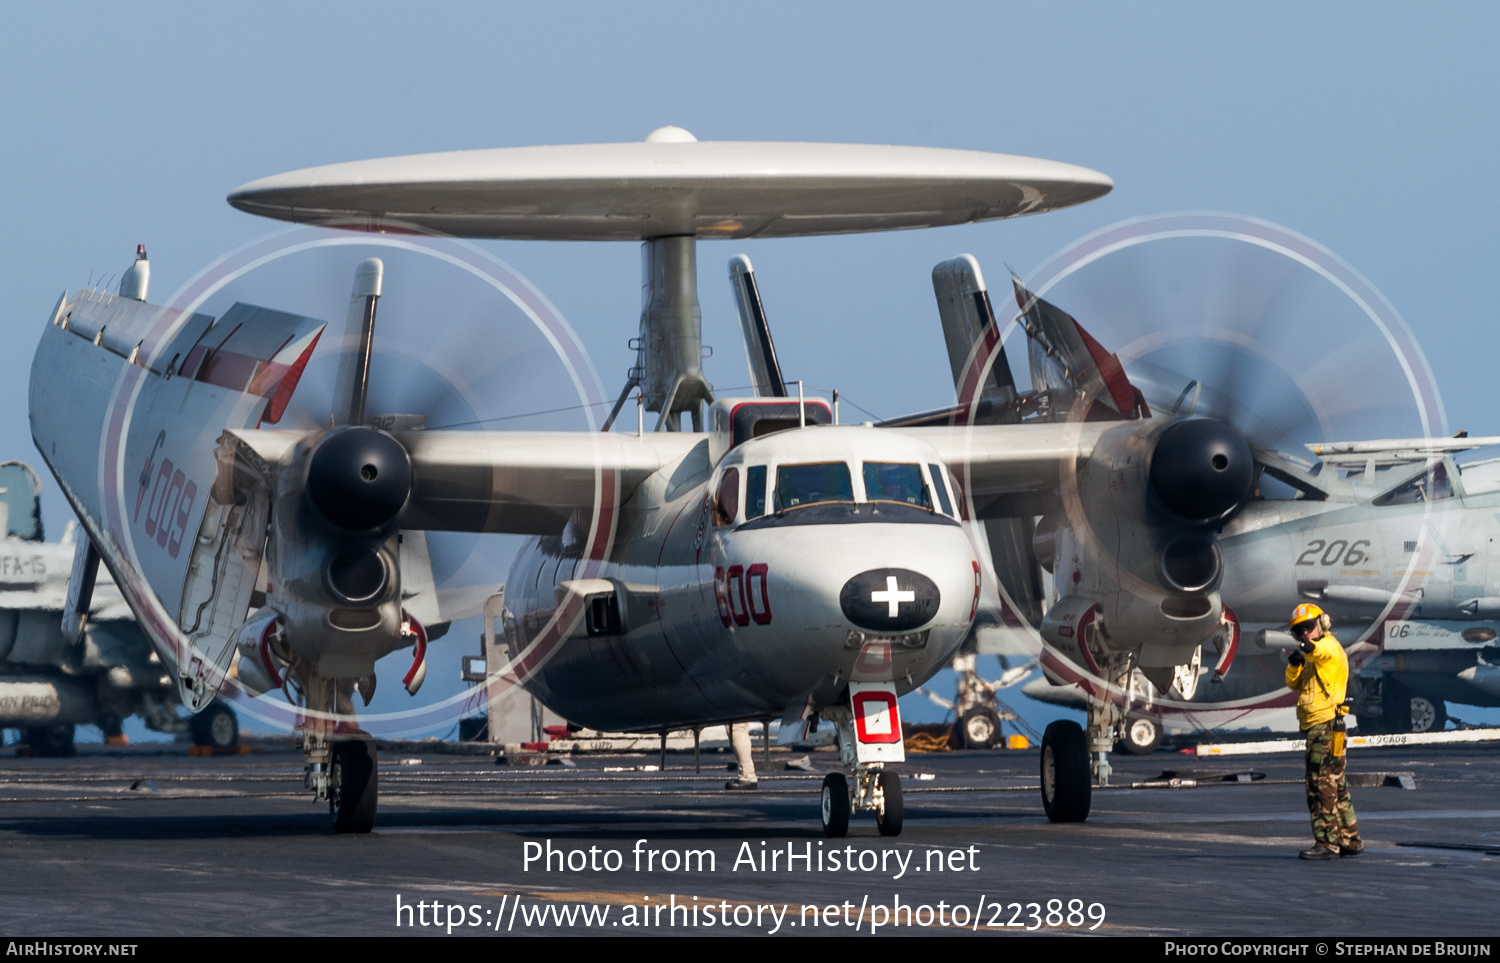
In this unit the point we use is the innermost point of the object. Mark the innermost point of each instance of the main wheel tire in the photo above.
(889, 817)
(1428, 714)
(353, 786)
(51, 742)
(980, 728)
(1142, 736)
(216, 727)
(1395, 704)
(1067, 790)
(835, 805)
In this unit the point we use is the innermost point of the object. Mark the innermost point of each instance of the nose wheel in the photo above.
(835, 805)
(865, 786)
(876, 790)
(890, 811)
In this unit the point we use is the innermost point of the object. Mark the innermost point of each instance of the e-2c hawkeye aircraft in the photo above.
(765, 563)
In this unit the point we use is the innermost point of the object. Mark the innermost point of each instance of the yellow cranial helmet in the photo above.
(1307, 612)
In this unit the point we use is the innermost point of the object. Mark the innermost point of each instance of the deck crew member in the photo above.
(1319, 670)
(739, 740)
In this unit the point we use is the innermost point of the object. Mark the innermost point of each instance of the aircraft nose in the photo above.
(890, 600)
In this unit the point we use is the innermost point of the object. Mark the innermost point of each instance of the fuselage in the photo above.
(756, 586)
(1418, 550)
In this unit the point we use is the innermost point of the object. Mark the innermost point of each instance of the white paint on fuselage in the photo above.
(676, 661)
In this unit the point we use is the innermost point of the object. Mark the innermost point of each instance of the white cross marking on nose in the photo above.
(892, 595)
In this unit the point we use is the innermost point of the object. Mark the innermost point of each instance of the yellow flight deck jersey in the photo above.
(1320, 682)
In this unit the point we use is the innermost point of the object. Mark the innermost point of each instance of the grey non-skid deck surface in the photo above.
(233, 845)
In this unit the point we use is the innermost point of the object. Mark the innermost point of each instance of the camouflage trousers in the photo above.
(1333, 823)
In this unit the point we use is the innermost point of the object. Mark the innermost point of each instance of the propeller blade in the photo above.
(353, 385)
(1277, 350)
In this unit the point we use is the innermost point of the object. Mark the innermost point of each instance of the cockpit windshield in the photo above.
(809, 484)
(1430, 486)
(889, 482)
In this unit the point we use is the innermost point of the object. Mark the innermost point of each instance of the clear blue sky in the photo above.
(1368, 127)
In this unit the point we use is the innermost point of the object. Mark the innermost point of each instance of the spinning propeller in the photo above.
(425, 342)
(1258, 329)
(1253, 342)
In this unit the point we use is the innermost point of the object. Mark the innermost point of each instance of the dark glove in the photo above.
(1296, 658)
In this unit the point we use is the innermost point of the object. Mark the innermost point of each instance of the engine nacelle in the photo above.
(1136, 540)
(334, 551)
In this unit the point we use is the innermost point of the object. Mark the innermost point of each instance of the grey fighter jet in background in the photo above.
(50, 684)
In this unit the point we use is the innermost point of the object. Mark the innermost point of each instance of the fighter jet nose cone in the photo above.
(890, 600)
(1201, 469)
(359, 478)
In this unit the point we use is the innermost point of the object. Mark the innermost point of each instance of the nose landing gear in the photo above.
(835, 805)
(869, 735)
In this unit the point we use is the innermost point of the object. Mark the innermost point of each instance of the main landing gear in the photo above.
(1067, 786)
(341, 762)
(1073, 759)
(867, 741)
(343, 770)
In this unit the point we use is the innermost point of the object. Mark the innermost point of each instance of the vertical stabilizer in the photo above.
(1066, 361)
(973, 338)
(986, 390)
(760, 353)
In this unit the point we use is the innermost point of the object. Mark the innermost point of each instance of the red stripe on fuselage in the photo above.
(975, 370)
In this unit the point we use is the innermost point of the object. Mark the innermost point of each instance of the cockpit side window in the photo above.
(891, 482)
(1431, 486)
(755, 491)
(941, 488)
(809, 484)
(727, 499)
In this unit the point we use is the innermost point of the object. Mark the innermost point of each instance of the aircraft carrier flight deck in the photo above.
(150, 840)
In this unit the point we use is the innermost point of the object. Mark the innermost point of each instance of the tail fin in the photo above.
(973, 338)
(987, 395)
(765, 370)
(1067, 361)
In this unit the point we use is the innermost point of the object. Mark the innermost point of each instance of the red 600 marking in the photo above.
(171, 504)
(749, 588)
